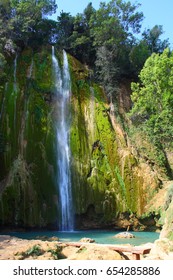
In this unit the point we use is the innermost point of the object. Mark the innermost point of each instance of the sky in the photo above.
(158, 12)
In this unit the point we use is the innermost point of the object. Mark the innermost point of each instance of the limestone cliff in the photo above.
(27, 188)
(110, 182)
(167, 213)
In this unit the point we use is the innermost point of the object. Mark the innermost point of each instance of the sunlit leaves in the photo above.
(153, 97)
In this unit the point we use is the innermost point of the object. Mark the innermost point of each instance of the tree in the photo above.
(65, 27)
(82, 41)
(107, 70)
(150, 42)
(45, 33)
(152, 38)
(111, 29)
(114, 23)
(153, 98)
(5, 31)
(138, 55)
(26, 16)
(24, 23)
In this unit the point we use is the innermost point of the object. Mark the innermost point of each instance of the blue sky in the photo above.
(155, 11)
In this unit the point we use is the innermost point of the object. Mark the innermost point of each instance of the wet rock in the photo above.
(87, 240)
(124, 235)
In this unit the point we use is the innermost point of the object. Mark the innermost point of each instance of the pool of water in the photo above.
(102, 237)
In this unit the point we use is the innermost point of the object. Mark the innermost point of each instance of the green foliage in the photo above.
(81, 39)
(111, 29)
(24, 21)
(152, 38)
(153, 101)
(33, 251)
(105, 40)
(107, 70)
(65, 27)
(27, 18)
(57, 252)
(150, 43)
(113, 22)
(138, 55)
(89, 36)
(153, 97)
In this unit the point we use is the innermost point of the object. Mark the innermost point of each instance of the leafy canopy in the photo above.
(153, 97)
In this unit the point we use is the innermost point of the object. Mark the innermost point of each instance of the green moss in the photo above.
(28, 129)
(97, 173)
(92, 151)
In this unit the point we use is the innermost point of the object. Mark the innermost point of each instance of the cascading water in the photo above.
(62, 90)
(14, 94)
(14, 74)
(31, 69)
(30, 73)
(92, 113)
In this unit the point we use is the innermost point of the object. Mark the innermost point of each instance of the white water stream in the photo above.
(63, 91)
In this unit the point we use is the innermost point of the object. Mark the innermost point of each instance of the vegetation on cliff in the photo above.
(152, 99)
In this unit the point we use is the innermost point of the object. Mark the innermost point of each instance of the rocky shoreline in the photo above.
(12, 248)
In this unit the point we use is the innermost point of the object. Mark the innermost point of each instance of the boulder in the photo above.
(125, 234)
(87, 240)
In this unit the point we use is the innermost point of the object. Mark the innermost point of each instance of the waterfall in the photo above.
(62, 90)
(92, 113)
(29, 76)
(14, 74)
(31, 69)
(14, 94)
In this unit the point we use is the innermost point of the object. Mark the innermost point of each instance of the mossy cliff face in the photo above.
(27, 188)
(107, 177)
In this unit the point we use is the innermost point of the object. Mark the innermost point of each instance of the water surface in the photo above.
(102, 237)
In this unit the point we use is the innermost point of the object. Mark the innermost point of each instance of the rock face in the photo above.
(28, 195)
(109, 181)
(162, 249)
(167, 214)
(124, 235)
(105, 169)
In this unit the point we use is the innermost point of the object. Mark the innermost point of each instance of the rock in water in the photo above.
(87, 240)
(124, 235)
